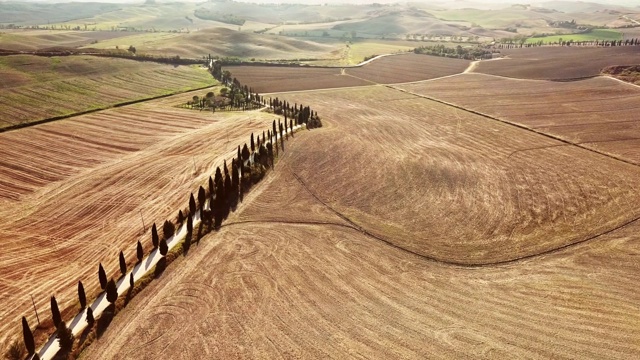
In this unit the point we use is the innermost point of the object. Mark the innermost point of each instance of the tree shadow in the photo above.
(160, 267)
(105, 320)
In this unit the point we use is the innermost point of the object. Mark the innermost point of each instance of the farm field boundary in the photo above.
(125, 103)
(520, 126)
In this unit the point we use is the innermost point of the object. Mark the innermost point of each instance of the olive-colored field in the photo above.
(75, 192)
(36, 88)
(599, 113)
(559, 62)
(349, 248)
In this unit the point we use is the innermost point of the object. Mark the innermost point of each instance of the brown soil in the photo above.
(559, 62)
(303, 281)
(599, 113)
(266, 79)
(45, 87)
(72, 193)
(409, 67)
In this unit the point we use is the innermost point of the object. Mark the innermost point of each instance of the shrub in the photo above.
(15, 352)
(102, 276)
(65, 337)
(163, 247)
(112, 292)
(168, 229)
(55, 312)
(81, 295)
(27, 335)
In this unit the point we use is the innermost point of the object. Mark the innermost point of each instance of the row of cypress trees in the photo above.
(223, 191)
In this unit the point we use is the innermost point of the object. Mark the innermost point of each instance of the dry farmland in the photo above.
(386, 70)
(559, 62)
(599, 113)
(272, 78)
(38, 88)
(409, 67)
(405, 228)
(73, 192)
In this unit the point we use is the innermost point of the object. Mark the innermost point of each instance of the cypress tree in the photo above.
(201, 199)
(253, 145)
(112, 291)
(273, 131)
(180, 217)
(225, 168)
(211, 191)
(263, 138)
(192, 205)
(218, 175)
(239, 156)
(154, 236)
(189, 225)
(139, 251)
(245, 153)
(291, 126)
(55, 312)
(90, 319)
(235, 180)
(123, 264)
(102, 276)
(163, 247)
(29, 342)
(81, 295)
(131, 282)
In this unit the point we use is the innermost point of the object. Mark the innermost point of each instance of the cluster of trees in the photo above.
(435, 37)
(520, 43)
(299, 114)
(469, 53)
(207, 14)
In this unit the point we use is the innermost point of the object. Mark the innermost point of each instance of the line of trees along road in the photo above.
(216, 199)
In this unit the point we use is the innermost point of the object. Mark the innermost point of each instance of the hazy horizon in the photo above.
(630, 3)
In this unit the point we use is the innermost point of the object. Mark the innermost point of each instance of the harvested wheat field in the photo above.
(408, 67)
(559, 62)
(75, 192)
(43, 87)
(599, 113)
(405, 228)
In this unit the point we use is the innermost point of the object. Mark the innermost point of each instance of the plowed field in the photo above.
(386, 70)
(559, 62)
(35, 88)
(405, 228)
(73, 192)
(599, 113)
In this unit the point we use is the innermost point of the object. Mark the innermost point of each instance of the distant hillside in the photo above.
(21, 13)
(222, 42)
